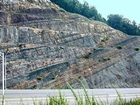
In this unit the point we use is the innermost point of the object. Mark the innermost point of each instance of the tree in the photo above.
(93, 12)
(85, 9)
(123, 24)
(134, 23)
(115, 21)
(75, 6)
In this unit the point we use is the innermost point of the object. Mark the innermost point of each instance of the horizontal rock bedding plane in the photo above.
(47, 47)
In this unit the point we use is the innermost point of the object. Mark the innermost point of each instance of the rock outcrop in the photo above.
(45, 47)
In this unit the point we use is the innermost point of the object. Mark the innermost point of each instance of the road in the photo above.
(14, 97)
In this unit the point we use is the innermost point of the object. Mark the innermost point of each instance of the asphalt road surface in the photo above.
(15, 97)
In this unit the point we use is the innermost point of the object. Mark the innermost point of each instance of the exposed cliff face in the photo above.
(46, 47)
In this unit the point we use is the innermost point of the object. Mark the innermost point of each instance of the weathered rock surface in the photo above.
(46, 47)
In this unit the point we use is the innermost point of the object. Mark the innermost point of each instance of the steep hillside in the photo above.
(45, 47)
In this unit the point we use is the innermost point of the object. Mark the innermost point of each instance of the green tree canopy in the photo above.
(123, 24)
(75, 6)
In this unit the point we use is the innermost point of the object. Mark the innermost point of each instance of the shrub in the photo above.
(80, 77)
(57, 56)
(106, 59)
(33, 26)
(47, 57)
(86, 57)
(53, 78)
(39, 78)
(62, 10)
(89, 53)
(137, 49)
(119, 47)
(43, 3)
(105, 39)
(21, 46)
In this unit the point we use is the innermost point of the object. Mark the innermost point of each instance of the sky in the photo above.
(128, 8)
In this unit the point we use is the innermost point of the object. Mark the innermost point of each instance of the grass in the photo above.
(80, 100)
(60, 100)
(3, 99)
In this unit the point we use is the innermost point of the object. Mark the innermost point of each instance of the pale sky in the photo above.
(128, 8)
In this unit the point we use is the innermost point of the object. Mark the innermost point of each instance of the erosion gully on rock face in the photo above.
(46, 47)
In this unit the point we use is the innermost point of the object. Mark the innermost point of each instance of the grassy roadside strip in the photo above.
(79, 100)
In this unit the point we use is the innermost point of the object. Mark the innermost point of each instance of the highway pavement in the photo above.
(15, 97)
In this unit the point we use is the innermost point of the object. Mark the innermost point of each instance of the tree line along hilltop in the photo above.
(114, 20)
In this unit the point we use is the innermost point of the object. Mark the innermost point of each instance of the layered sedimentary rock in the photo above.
(45, 47)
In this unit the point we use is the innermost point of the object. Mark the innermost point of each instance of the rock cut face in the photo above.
(17, 1)
(45, 47)
(38, 1)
